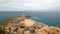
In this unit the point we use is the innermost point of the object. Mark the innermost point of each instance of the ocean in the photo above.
(50, 18)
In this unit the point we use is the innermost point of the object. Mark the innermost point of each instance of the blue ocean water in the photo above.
(49, 18)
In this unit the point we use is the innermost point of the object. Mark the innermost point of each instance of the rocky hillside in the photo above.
(24, 25)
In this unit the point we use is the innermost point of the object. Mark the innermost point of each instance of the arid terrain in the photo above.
(24, 25)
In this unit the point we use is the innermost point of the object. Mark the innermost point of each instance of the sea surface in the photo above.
(49, 18)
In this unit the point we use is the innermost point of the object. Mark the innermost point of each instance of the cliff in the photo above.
(24, 25)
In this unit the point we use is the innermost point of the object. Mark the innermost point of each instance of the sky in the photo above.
(29, 5)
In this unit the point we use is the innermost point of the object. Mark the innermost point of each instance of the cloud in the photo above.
(29, 4)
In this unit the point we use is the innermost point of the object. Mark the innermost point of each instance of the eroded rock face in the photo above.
(23, 16)
(49, 30)
(39, 25)
(9, 21)
(28, 22)
(24, 25)
(16, 21)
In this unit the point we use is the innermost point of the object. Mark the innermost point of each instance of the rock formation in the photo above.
(24, 25)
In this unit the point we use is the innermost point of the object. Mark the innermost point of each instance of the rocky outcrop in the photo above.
(24, 25)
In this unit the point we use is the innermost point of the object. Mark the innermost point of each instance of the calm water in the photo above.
(50, 18)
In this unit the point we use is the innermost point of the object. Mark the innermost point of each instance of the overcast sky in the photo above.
(29, 5)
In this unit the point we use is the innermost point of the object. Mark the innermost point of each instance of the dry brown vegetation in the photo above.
(23, 25)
